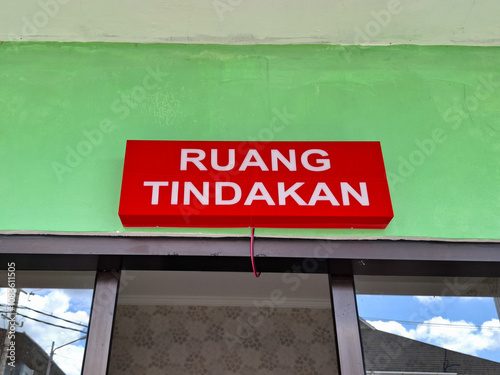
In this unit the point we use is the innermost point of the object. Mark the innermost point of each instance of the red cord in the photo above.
(257, 274)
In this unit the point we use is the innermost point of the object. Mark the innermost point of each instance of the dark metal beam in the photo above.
(101, 323)
(426, 268)
(270, 247)
(51, 252)
(346, 325)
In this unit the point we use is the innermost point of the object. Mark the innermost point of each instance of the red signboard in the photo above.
(260, 184)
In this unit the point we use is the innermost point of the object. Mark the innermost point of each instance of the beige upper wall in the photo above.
(377, 22)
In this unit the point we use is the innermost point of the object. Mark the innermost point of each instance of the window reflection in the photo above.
(44, 323)
(430, 325)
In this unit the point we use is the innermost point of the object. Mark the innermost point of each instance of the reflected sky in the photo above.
(52, 306)
(468, 325)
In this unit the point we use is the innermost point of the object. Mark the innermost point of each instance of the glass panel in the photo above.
(223, 323)
(45, 318)
(429, 325)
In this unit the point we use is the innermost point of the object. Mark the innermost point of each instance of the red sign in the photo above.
(261, 184)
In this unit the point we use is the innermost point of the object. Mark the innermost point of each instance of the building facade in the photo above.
(79, 80)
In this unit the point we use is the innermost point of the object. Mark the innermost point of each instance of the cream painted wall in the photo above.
(426, 22)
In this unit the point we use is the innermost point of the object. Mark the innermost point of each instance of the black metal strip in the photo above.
(232, 254)
(346, 325)
(101, 323)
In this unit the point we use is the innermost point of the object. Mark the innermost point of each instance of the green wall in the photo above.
(436, 111)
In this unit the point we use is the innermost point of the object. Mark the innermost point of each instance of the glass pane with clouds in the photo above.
(44, 321)
(430, 325)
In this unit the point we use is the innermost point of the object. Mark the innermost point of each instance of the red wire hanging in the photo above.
(257, 274)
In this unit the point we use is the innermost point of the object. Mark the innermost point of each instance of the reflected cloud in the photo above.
(458, 335)
(55, 315)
